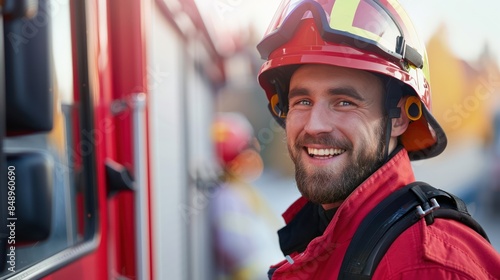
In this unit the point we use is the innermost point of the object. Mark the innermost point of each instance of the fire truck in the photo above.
(105, 159)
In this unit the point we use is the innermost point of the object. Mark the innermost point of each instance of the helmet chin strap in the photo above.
(392, 96)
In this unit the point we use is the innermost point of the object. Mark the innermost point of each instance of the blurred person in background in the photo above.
(244, 227)
(349, 83)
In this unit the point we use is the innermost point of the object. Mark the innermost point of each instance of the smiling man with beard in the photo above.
(349, 82)
(335, 132)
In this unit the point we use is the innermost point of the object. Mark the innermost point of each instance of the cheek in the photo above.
(359, 132)
(369, 135)
(294, 124)
(290, 136)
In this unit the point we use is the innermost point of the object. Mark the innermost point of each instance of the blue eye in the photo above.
(304, 102)
(345, 103)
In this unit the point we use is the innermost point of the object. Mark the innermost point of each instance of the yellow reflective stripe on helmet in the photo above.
(342, 17)
(342, 14)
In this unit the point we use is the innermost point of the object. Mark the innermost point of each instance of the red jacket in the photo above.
(444, 250)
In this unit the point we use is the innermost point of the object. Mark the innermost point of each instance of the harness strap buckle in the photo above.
(434, 205)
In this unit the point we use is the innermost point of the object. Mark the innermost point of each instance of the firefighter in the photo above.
(349, 82)
(243, 224)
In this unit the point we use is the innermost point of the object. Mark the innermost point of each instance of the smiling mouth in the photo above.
(324, 153)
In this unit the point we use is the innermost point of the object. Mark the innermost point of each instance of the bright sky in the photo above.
(470, 23)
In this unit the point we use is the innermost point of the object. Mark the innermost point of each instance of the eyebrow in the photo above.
(347, 91)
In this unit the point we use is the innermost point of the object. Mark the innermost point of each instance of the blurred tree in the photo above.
(486, 86)
(463, 92)
(447, 83)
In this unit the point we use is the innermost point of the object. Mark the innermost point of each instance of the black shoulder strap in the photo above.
(391, 217)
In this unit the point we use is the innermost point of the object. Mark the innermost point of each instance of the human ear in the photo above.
(399, 125)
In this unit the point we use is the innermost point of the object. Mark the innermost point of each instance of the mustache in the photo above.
(323, 139)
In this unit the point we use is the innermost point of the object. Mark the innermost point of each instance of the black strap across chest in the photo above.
(394, 215)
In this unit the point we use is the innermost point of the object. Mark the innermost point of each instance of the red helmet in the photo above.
(232, 134)
(375, 36)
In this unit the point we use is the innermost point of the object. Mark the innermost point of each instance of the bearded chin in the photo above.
(324, 186)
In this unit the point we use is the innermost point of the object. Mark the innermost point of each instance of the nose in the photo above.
(320, 120)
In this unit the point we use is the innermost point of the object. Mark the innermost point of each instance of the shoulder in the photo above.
(444, 250)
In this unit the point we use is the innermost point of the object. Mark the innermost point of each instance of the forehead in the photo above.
(318, 76)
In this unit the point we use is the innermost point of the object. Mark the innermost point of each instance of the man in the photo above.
(349, 82)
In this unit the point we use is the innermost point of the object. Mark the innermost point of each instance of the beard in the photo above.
(326, 185)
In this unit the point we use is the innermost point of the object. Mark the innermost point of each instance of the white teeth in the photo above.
(324, 152)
